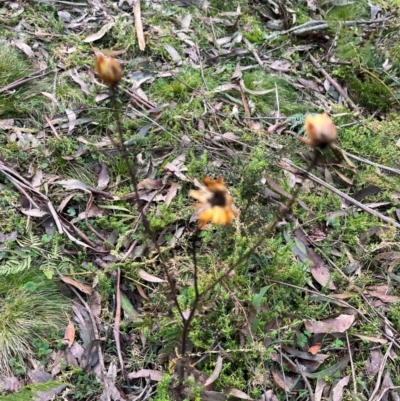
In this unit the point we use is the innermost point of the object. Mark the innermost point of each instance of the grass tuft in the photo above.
(30, 306)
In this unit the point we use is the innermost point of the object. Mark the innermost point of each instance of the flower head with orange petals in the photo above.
(108, 69)
(215, 204)
(320, 130)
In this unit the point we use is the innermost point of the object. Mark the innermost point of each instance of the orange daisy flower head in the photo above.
(320, 130)
(108, 69)
(215, 203)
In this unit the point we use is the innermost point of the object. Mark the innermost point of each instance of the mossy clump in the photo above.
(30, 307)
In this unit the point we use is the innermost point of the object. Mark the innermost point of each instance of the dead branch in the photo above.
(348, 198)
(339, 89)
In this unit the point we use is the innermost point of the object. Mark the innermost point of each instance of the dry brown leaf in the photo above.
(75, 77)
(282, 382)
(215, 374)
(154, 375)
(337, 392)
(95, 305)
(384, 297)
(149, 183)
(373, 363)
(148, 277)
(9, 384)
(372, 339)
(24, 47)
(318, 270)
(345, 295)
(314, 349)
(173, 53)
(104, 177)
(239, 394)
(71, 119)
(141, 292)
(34, 212)
(50, 394)
(305, 355)
(334, 325)
(139, 26)
(319, 388)
(281, 65)
(6, 124)
(39, 376)
(69, 335)
(309, 84)
(171, 193)
(81, 287)
(51, 97)
(98, 35)
(186, 21)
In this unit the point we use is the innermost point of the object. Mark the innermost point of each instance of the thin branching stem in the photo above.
(133, 177)
(277, 217)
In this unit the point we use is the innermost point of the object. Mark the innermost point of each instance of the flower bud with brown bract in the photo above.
(320, 130)
(108, 69)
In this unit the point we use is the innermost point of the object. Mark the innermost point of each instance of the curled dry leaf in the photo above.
(104, 177)
(282, 382)
(69, 335)
(373, 363)
(81, 287)
(154, 375)
(239, 394)
(141, 292)
(173, 53)
(313, 350)
(215, 374)
(372, 339)
(337, 392)
(171, 193)
(334, 325)
(98, 35)
(148, 277)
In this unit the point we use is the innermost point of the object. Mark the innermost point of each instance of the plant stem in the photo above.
(133, 177)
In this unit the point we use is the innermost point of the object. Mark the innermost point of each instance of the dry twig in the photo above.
(348, 198)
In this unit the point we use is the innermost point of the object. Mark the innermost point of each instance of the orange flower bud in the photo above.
(108, 69)
(320, 129)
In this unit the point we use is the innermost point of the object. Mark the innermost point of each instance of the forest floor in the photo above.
(101, 269)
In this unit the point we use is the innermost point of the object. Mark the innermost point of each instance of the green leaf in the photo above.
(128, 308)
(258, 298)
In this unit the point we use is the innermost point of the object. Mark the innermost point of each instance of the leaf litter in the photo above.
(94, 22)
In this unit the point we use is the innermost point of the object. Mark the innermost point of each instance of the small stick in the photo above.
(353, 373)
(29, 78)
(386, 390)
(116, 325)
(315, 25)
(371, 163)
(316, 64)
(52, 128)
(250, 47)
(340, 193)
(312, 397)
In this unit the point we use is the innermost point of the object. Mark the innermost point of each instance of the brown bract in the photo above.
(108, 69)
(320, 129)
(215, 203)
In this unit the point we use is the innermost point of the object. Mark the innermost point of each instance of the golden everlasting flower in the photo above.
(108, 69)
(320, 129)
(215, 203)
